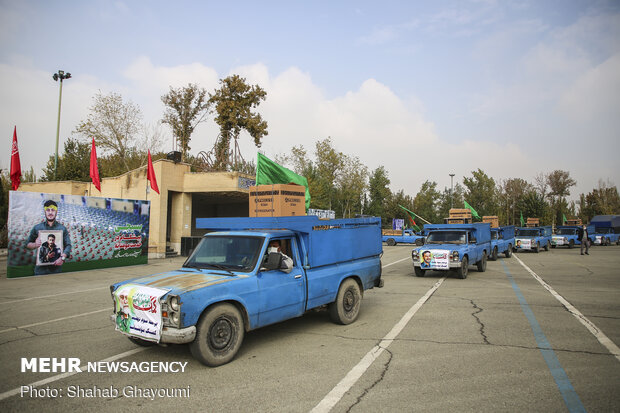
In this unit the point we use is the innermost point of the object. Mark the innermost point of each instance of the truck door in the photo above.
(282, 295)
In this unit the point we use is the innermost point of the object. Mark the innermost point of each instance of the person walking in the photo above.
(583, 236)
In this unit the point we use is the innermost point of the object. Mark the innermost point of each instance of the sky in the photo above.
(423, 88)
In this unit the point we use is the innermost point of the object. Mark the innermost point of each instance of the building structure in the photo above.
(183, 197)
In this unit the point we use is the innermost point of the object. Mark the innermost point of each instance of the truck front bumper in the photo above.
(454, 265)
(171, 335)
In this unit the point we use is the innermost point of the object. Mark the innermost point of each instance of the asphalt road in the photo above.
(497, 341)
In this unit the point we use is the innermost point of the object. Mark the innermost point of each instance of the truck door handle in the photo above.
(298, 276)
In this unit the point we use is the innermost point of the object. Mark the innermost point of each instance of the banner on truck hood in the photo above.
(54, 233)
(435, 259)
(524, 243)
(138, 311)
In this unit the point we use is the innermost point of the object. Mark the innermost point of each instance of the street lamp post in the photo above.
(62, 76)
(451, 189)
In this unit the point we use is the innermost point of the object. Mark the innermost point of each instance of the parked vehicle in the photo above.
(406, 236)
(567, 235)
(502, 241)
(453, 247)
(532, 238)
(604, 229)
(231, 283)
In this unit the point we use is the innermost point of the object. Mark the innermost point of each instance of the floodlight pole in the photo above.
(451, 189)
(60, 75)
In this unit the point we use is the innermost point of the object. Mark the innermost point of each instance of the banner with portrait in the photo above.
(138, 311)
(52, 233)
(435, 259)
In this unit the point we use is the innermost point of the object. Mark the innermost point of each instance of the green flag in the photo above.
(268, 172)
(411, 217)
(473, 211)
(564, 219)
(522, 220)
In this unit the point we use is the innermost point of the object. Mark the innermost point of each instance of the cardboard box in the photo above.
(462, 213)
(281, 200)
(491, 219)
(532, 222)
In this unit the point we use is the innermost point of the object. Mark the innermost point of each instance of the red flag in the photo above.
(94, 169)
(150, 174)
(16, 167)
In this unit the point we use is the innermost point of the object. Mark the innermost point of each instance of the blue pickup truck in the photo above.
(532, 238)
(237, 279)
(502, 241)
(453, 247)
(407, 236)
(604, 229)
(567, 235)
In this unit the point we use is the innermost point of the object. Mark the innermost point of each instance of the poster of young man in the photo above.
(435, 260)
(54, 233)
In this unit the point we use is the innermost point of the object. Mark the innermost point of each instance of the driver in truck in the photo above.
(286, 262)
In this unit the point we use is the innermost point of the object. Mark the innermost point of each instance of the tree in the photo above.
(426, 202)
(392, 209)
(603, 200)
(233, 103)
(534, 206)
(351, 185)
(329, 164)
(481, 193)
(185, 108)
(73, 164)
(511, 196)
(560, 183)
(379, 192)
(114, 124)
(446, 202)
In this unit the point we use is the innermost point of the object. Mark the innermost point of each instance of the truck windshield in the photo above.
(226, 253)
(528, 232)
(446, 237)
(566, 231)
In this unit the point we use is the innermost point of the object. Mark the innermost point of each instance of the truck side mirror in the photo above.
(274, 260)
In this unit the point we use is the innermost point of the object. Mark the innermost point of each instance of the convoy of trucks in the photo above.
(247, 273)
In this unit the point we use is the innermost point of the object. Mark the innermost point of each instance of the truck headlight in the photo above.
(175, 318)
(174, 303)
(455, 255)
(415, 255)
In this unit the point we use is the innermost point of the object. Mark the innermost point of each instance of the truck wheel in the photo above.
(482, 264)
(419, 272)
(346, 308)
(571, 244)
(219, 334)
(508, 252)
(547, 246)
(462, 272)
(494, 254)
(140, 342)
(391, 242)
(537, 248)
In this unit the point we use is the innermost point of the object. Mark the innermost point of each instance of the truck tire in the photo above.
(547, 245)
(571, 244)
(482, 264)
(494, 254)
(419, 272)
(462, 272)
(140, 342)
(537, 248)
(219, 334)
(508, 252)
(390, 242)
(346, 308)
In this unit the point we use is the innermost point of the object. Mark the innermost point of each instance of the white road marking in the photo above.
(334, 396)
(55, 320)
(396, 262)
(52, 295)
(52, 379)
(600, 336)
